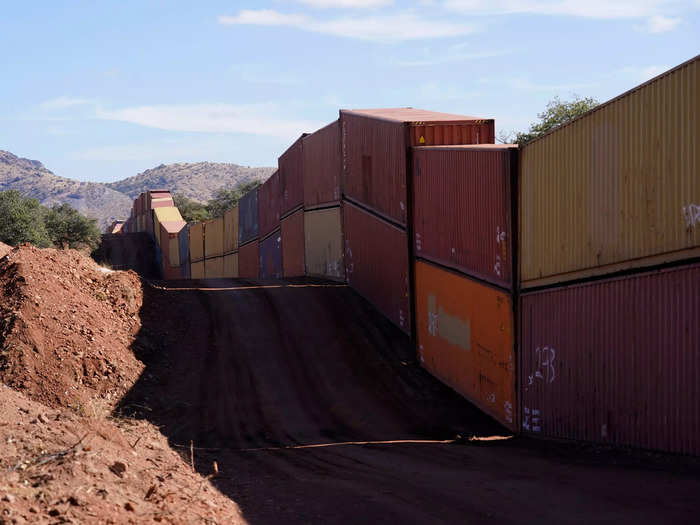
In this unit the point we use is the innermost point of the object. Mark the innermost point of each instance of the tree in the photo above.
(191, 210)
(226, 199)
(67, 228)
(556, 113)
(22, 220)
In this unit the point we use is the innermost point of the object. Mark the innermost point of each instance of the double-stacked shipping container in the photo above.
(611, 353)
(248, 263)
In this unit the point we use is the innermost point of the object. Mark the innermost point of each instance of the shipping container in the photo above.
(184, 248)
(617, 188)
(214, 268)
(231, 265)
(615, 361)
(462, 208)
(291, 173)
(214, 238)
(248, 262)
(321, 152)
(197, 270)
(292, 228)
(151, 196)
(231, 230)
(465, 335)
(376, 263)
(323, 248)
(196, 242)
(269, 197)
(248, 217)
(270, 255)
(375, 144)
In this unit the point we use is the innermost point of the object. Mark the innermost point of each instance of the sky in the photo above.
(100, 91)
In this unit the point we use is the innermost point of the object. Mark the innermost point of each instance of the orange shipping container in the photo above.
(248, 262)
(214, 238)
(197, 270)
(465, 339)
(231, 265)
(214, 268)
(231, 230)
(196, 243)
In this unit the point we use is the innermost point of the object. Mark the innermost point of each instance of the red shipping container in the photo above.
(269, 205)
(293, 244)
(615, 361)
(248, 263)
(462, 206)
(291, 172)
(375, 143)
(270, 253)
(376, 263)
(321, 152)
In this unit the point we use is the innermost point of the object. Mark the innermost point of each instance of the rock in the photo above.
(118, 468)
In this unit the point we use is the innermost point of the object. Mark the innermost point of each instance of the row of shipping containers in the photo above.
(554, 285)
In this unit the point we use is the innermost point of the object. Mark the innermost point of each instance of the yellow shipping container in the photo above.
(167, 214)
(197, 270)
(323, 243)
(617, 188)
(231, 265)
(173, 250)
(214, 268)
(214, 237)
(196, 243)
(231, 230)
(465, 339)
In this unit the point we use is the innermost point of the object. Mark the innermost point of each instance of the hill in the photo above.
(198, 181)
(32, 179)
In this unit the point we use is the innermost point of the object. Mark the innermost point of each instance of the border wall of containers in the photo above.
(292, 231)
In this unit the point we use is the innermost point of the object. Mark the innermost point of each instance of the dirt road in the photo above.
(253, 374)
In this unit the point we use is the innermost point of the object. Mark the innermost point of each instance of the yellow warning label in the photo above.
(421, 140)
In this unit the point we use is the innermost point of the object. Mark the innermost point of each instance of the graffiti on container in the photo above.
(500, 257)
(691, 214)
(419, 242)
(531, 420)
(508, 408)
(491, 398)
(544, 370)
(401, 317)
(449, 327)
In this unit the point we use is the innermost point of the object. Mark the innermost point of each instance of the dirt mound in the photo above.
(58, 467)
(4, 249)
(66, 326)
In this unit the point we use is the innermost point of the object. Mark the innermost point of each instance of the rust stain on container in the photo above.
(270, 254)
(248, 217)
(269, 196)
(321, 151)
(292, 228)
(231, 230)
(615, 361)
(231, 265)
(462, 209)
(376, 263)
(324, 243)
(291, 173)
(214, 268)
(374, 147)
(197, 270)
(616, 188)
(248, 263)
(196, 242)
(214, 238)
(465, 339)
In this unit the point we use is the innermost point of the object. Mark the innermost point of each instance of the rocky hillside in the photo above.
(108, 202)
(198, 181)
(32, 179)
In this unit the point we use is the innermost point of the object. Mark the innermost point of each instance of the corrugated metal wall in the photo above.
(615, 187)
(196, 242)
(214, 238)
(248, 263)
(231, 265)
(197, 270)
(615, 361)
(291, 170)
(376, 263)
(292, 228)
(444, 134)
(184, 244)
(270, 254)
(462, 209)
(231, 230)
(323, 249)
(269, 197)
(321, 152)
(248, 217)
(466, 339)
(214, 268)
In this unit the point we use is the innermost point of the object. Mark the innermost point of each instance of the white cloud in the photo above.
(661, 24)
(353, 4)
(255, 119)
(382, 28)
(65, 103)
(456, 53)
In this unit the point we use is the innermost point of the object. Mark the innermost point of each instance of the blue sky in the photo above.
(103, 90)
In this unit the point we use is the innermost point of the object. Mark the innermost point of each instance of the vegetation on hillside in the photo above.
(224, 199)
(24, 220)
